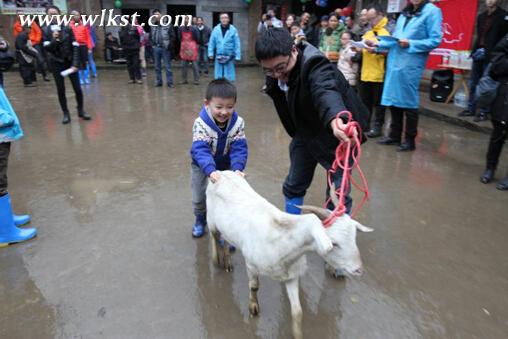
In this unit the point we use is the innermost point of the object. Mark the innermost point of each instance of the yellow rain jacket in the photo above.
(373, 65)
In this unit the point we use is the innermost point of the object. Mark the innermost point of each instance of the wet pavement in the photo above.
(114, 257)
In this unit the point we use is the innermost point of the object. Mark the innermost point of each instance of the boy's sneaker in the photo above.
(231, 247)
(198, 230)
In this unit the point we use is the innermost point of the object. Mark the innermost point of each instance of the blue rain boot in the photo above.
(81, 77)
(292, 203)
(86, 74)
(20, 220)
(198, 230)
(9, 233)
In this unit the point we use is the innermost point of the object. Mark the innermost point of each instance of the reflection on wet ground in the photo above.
(114, 257)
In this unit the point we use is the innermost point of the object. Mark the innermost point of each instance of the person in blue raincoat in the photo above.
(10, 130)
(224, 46)
(418, 31)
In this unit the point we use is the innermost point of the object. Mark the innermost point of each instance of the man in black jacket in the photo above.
(162, 39)
(130, 41)
(491, 26)
(204, 33)
(308, 92)
(498, 72)
(63, 54)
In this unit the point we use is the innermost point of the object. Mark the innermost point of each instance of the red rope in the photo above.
(347, 158)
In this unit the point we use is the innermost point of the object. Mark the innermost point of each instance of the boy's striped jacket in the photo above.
(212, 149)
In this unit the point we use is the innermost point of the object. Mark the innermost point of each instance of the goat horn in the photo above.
(333, 195)
(321, 213)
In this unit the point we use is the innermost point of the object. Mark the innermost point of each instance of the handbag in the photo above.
(486, 90)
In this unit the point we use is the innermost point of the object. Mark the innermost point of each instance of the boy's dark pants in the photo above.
(199, 181)
(305, 154)
(5, 149)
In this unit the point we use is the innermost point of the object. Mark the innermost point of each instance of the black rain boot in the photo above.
(66, 117)
(375, 132)
(487, 176)
(388, 141)
(83, 115)
(407, 146)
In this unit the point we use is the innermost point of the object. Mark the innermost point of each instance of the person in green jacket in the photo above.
(330, 43)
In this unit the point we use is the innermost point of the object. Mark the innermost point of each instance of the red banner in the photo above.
(459, 21)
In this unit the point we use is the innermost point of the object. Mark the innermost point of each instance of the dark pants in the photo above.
(133, 64)
(60, 87)
(497, 140)
(162, 54)
(41, 60)
(304, 156)
(476, 74)
(27, 72)
(5, 149)
(398, 123)
(194, 65)
(203, 59)
(371, 93)
(1, 79)
(83, 57)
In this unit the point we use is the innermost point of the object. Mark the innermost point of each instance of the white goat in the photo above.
(272, 242)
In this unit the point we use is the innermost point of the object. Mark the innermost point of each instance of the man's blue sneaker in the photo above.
(198, 230)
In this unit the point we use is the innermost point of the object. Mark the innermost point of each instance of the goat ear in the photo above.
(323, 242)
(363, 228)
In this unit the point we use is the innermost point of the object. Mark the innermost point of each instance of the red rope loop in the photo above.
(347, 158)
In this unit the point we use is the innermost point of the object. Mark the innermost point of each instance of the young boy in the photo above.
(10, 130)
(218, 144)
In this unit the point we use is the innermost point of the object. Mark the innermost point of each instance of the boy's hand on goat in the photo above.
(240, 173)
(215, 176)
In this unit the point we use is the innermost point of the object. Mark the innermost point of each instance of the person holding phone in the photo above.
(63, 54)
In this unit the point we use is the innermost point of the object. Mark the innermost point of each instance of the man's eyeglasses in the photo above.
(277, 70)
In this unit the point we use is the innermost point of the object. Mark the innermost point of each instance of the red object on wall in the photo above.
(459, 19)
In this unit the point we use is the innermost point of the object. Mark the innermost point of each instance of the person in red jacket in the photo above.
(84, 39)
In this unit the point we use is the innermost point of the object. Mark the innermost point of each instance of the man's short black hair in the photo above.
(273, 43)
(156, 11)
(220, 88)
(52, 7)
(377, 7)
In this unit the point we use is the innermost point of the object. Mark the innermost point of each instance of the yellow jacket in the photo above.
(373, 65)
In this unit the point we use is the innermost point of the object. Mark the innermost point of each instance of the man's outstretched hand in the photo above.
(339, 127)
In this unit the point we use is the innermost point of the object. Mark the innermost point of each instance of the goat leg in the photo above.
(228, 265)
(253, 293)
(296, 308)
(215, 247)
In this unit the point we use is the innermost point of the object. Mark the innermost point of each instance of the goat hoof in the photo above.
(229, 268)
(254, 309)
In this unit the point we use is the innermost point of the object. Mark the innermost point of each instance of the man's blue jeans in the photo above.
(476, 73)
(158, 54)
